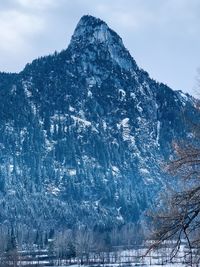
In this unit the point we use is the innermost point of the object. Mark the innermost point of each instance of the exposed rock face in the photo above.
(83, 133)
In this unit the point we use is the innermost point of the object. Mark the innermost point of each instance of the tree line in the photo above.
(17, 244)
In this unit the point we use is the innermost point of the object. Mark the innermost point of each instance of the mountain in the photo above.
(84, 134)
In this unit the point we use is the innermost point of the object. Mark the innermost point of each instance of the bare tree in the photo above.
(84, 241)
(180, 218)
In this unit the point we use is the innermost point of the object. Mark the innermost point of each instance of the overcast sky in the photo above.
(162, 35)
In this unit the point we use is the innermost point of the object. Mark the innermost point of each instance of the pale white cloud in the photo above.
(37, 4)
(15, 28)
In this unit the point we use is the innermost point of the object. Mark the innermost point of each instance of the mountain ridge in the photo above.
(83, 133)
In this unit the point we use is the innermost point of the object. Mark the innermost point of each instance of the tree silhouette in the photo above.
(11, 254)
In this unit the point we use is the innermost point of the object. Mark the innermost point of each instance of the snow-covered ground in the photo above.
(128, 265)
(118, 258)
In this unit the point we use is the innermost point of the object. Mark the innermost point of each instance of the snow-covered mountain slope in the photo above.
(84, 133)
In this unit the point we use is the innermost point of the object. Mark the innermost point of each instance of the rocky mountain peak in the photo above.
(92, 29)
(88, 20)
(93, 38)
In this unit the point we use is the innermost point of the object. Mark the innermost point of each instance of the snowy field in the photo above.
(128, 265)
(118, 258)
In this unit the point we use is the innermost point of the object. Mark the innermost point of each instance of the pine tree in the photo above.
(11, 254)
(71, 250)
